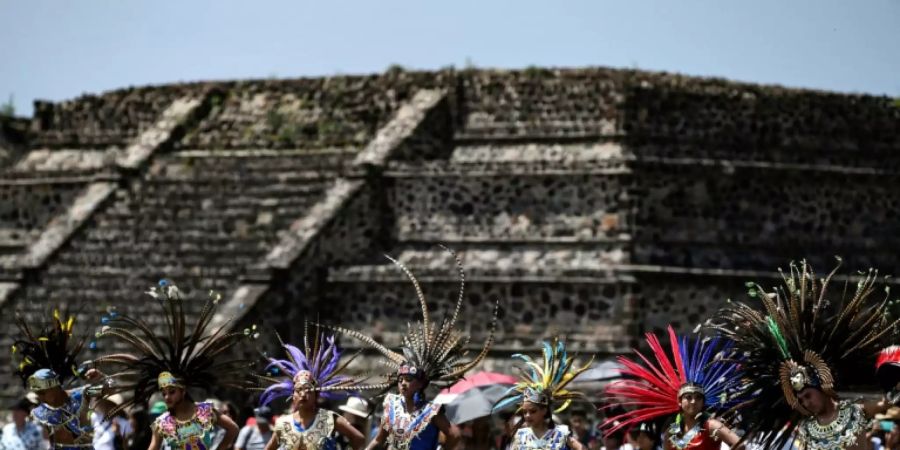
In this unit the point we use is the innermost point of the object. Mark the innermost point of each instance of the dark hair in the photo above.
(232, 410)
(651, 434)
(618, 436)
(578, 412)
(22, 405)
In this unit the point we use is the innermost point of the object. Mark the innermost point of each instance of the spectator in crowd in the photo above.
(137, 420)
(255, 436)
(645, 437)
(227, 409)
(476, 434)
(511, 422)
(582, 429)
(21, 433)
(356, 411)
(615, 441)
(888, 423)
(110, 433)
(142, 432)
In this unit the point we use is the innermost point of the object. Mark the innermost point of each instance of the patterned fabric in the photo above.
(28, 439)
(850, 424)
(409, 431)
(556, 438)
(319, 436)
(72, 417)
(193, 434)
(697, 438)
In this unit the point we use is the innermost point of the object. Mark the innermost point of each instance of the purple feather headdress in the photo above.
(317, 368)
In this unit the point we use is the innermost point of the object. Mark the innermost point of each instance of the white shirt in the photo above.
(104, 438)
(30, 438)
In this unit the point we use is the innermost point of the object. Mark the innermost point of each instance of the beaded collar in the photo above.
(842, 432)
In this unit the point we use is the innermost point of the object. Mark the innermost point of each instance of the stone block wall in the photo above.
(311, 112)
(749, 117)
(27, 208)
(541, 102)
(109, 119)
(509, 207)
(760, 219)
(685, 301)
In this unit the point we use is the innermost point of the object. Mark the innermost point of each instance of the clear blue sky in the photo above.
(59, 49)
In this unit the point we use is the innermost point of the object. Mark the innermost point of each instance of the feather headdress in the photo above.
(183, 356)
(546, 382)
(55, 347)
(317, 367)
(805, 333)
(434, 352)
(653, 388)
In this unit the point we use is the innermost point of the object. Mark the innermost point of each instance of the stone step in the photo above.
(498, 259)
(288, 183)
(76, 275)
(265, 160)
(14, 239)
(220, 178)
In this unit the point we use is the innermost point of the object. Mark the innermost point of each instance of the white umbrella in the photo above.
(474, 403)
(603, 371)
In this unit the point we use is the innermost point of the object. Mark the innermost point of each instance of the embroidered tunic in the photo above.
(556, 438)
(844, 431)
(409, 431)
(697, 438)
(193, 434)
(71, 416)
(319, 436)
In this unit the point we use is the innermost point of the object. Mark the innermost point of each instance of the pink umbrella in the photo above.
(478, 384)
(479, 379)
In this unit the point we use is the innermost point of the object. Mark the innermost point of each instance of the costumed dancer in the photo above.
(48, 366)
(431, 353)
(543, 386)
(799, 341)
(698, 381)
(181, 358)
(306, 375)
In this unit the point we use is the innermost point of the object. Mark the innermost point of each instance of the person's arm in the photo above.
(356, 438)
(451, 432)
(242, 437)
(873, 407)
(155, 441)
(231, 430)
(379, 439)
(666, 444)
(718, 430)
(574, 444)
(273, 442)
(98, 379)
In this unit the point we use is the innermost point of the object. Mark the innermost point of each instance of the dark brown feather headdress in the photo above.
(434, 351)
(806, 333)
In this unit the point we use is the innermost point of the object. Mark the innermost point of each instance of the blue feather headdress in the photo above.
(710, 368)
(317, 368)
(545, 384)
